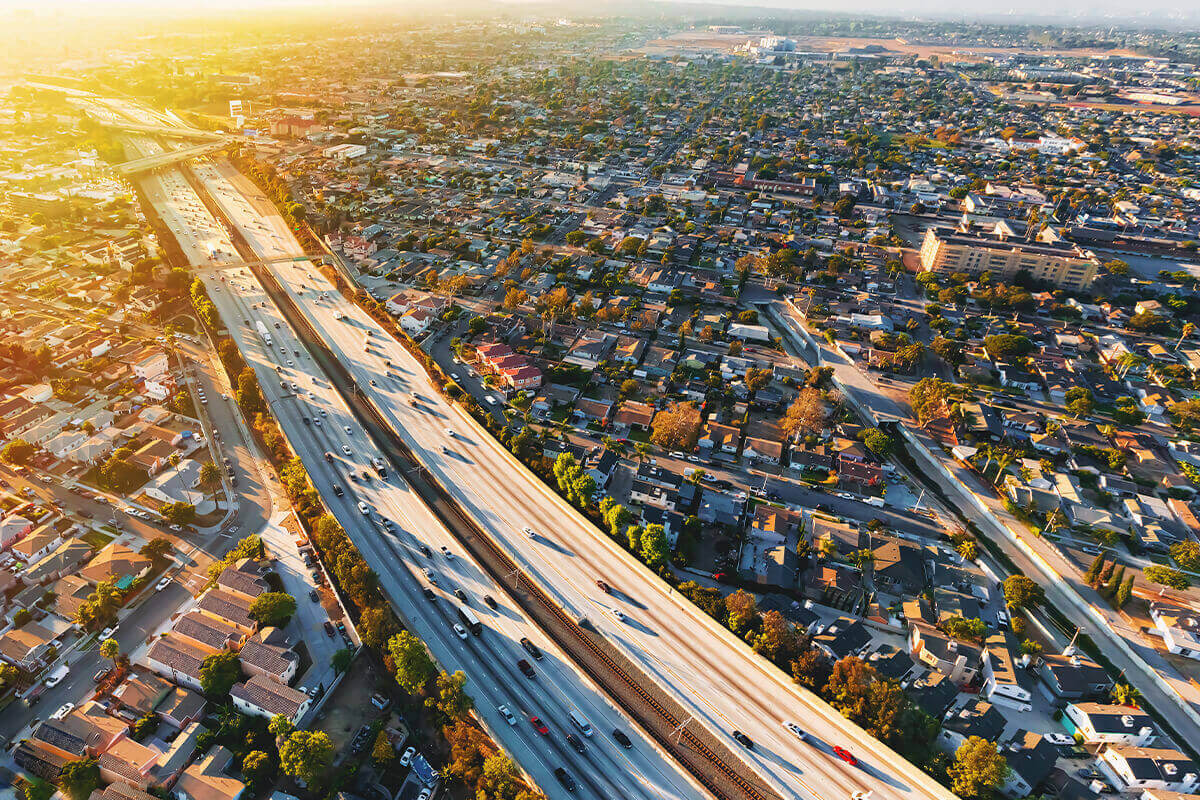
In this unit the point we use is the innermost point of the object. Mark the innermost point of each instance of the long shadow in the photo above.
(553, 545)
(633, 601)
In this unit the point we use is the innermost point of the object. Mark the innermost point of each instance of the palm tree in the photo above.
(1188, 330)
(1003, 461)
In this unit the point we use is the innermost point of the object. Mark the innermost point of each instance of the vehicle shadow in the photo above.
(553, 545)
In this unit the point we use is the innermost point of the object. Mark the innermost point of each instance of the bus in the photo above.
(469, 620)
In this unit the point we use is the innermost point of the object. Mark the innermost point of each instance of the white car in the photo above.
(108, 632)
(797, 730)
(529, 532)
(509, 717)
(619, 614)
(347, 429)
(1058, 738)
(407, 757)
(162, 584)
(450, 433)
(429, 576)
(362, 508)
(446, 552)
(460, 631)
(63, 710)
(425, 794)
(346, 449)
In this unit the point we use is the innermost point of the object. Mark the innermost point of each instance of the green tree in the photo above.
(280, 726)
(257, 766)
(743, 612)
(18, 452)
(272, 608)
(979, 768)
(414, 667)
(1187, 555)
(219, 673)
(1093, 574)
(450, 697)
(341, 660)
(382, 752)
(1125, 591)
(499, 780)
(878, 442)
(376, 625)
(178, 513)
(1022, 592)
(79, 778)
(656, 553)
(307, 755)
(1165, 576)
(110, 649)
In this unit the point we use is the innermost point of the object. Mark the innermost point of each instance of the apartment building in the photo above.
(947, 250)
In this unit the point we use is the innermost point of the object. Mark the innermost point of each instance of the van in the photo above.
(581, 722)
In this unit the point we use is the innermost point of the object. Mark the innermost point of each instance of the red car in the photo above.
(539, 726)
(604, 587)
(845, 755)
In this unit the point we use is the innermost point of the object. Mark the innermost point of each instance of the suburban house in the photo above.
(1104, 723)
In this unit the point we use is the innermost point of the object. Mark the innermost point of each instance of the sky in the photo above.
(1145, 11)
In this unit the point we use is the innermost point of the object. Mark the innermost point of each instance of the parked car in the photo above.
(407, 756)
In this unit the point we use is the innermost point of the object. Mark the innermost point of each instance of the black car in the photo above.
(722, 484)
(306, 420)
(576, 742)
(531, 648)
(426, 551)
(526, 668)
(621, 738)
(461, 595)
(565, 779)
(328, 628)
(313, 595)
(429, 595)
(338, 490)
(744, 740)
(489, 601)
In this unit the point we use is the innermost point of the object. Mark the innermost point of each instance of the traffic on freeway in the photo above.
(433, 584)
(725, 686)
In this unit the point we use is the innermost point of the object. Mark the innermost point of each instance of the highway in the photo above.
(605, 769)
(723, 684)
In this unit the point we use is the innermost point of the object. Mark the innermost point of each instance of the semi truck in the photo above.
(262, 331)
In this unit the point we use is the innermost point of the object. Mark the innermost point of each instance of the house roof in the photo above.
(113, 562)
(270, 695)
(206, 779)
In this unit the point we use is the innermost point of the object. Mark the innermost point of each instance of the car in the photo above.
(328, 456)
(619, 614)
(362, 508)
(372, 382)
(460, 631)
(565, 779)
(861, 795)
(338, 490)
(99, 676)
(526, 669)
(462, 596)
(1058, 738)
(446, 552)
(797, 730)
(163, 583)
(845, 755)
(509, 717)
(429, 595)
(346, 449)
(348, 430)
(316, 422)
(621, 738)
(489, 601)
(306, 420)
(604, 587)
(429, 576)
(454, 377)
(328, 628)
(425, 794)
(426, 551)
(314, 595)
(538, 725)
(529, 532)
(108, 632)
(744, 740)
(63, 710)
(407, 756)
(720, 576)
(531, 648)
(366, 476)
(450, 433)
(324, 413)
(576, 743)
(354, 477)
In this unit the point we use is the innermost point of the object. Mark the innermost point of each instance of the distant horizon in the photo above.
(1091, 12)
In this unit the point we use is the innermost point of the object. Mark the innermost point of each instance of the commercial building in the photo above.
(947, 250)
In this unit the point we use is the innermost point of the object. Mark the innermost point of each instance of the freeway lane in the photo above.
(490, 661)
(724, 686)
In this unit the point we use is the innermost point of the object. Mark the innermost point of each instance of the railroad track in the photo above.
(502, 567)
